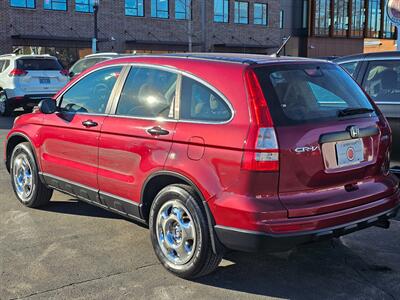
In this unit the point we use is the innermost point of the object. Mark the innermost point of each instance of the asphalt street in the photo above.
(70, 250)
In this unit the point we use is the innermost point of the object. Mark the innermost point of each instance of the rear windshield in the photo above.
(301, 93)
(38, 64)
(86, 63)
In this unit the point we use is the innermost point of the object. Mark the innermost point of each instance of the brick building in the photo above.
(65, 27)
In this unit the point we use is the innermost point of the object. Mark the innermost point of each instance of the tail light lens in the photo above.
(386, 164)
(261, 152)
(64, 72)
(17, 72)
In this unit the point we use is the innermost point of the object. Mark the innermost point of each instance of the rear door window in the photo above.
(382, 81)
(148, 93)
(85, 64)
(299, 93)
(38, 64)
(200, 103)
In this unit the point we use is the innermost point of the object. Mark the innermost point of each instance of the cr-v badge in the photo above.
(306, 149)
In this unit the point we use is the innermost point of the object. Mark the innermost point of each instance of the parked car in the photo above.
(379, 75)
(26, 79)
(89, 61)
(212, 152)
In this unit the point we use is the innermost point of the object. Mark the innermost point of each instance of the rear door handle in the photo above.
(89, 123)
(157, 131)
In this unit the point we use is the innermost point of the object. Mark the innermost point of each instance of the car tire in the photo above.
(5, 107)
(178, 220)
(25, 180)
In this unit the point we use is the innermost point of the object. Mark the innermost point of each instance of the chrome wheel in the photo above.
(23, 179)
(176, 232)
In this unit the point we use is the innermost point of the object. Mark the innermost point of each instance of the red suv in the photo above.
(213, 152)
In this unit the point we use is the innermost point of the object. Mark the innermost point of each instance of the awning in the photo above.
(245, 46)
(159, 45)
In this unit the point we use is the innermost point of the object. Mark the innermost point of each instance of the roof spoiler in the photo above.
(278, 53)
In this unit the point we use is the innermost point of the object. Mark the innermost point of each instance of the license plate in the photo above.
(350, 152)
(44, 80)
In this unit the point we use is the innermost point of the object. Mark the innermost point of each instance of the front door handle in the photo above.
(89, 123)
(157, 131)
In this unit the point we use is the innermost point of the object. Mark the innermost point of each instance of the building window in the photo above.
(341, 18)
(183, 9)
(55, 4)
(304, 20)
(374, 18)
(84, 6)
(358, 18)
(134, 8)
(23, 3)
(241, 12)
(281, 19)
(160, 9)
(221, 11)
(322, 17)
(260, 14)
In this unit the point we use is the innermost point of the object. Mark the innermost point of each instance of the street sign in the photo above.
(394, 11)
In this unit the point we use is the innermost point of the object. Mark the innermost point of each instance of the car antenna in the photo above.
(278, 53)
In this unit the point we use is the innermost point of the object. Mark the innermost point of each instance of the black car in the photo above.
(379, 75)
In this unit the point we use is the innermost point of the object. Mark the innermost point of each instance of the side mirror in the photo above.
(47, 106)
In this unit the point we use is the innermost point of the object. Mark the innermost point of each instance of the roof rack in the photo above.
(215, 57)
(101, 54)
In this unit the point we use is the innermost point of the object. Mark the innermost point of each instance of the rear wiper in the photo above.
(354, 111)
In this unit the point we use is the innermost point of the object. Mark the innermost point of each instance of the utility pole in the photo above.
(95, 36)
(203, 25)
(190, 25)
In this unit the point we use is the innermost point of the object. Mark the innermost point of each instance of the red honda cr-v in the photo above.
(212, 151)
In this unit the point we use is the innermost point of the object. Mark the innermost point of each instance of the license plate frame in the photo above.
(44, 80)
(350, 152)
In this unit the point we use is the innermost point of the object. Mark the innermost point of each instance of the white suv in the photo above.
(26, 79)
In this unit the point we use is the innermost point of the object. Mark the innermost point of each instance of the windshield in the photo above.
(299, 93)
(38, 64)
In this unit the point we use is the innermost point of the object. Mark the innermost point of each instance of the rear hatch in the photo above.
(332, 142)
(42, 75)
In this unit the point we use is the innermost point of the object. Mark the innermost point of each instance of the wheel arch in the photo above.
(12, 141)
(157, 181)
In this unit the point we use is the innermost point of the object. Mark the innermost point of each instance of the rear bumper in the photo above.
(252, 241)
(28, 100)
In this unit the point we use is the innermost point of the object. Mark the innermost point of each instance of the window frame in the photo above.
(188, 10)
(26, 5)
(89, 6)
(156, 10)
(132, 8)
(111, 99)
(262, 5)
(225, 18)
(116, 93)
(56, 1)
(237, 8)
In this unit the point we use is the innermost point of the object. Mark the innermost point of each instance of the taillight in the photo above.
(17, 72)
(261, 152)
(386, 164)
(64, 72)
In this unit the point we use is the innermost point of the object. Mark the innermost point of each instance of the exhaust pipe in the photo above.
(383, 224)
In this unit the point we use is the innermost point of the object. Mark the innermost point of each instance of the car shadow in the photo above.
(326, 270)
(80, 208)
